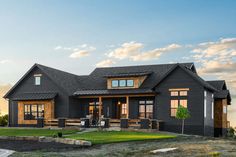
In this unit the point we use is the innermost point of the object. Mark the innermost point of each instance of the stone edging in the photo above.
(48, 139)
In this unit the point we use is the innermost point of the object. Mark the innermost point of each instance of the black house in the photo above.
(131, 92)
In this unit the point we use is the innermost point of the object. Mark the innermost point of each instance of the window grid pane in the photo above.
(174, 104)
(183, 93)
(114, 83)
(175, 93)
(122, 83)
(183, 103)
(130, 83)
(37, 80)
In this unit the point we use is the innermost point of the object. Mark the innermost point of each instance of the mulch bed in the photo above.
(22, 146)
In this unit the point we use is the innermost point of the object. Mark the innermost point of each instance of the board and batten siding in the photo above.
(27, 85)
(208, 113)
(180, 79)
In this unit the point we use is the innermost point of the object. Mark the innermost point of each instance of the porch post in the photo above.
(127, 103)
(100, 108)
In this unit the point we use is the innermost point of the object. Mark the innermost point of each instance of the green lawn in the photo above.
(102, 137)
(32, 132)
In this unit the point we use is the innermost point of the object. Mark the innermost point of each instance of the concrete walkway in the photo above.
(5, 152)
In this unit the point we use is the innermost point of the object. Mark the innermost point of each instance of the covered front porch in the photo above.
(118, 107)
(113, 110)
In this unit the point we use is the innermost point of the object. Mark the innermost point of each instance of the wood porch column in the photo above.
(100, 108)
(127, 103)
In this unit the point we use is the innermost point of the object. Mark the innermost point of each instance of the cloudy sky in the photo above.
(77, 36)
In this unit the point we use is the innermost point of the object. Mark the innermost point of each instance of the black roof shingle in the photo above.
(35, 96)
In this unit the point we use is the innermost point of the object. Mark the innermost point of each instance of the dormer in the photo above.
(126, 81)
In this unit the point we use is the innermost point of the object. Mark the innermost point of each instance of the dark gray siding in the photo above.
(134, 108)
(180, 79)
(47, 85)
(13, 112)
(208, 120)
(109, 111)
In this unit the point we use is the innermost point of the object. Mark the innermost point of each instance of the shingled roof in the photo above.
(66, 81)
(97, 80)
(156, 73)
(35, 96)
(222, 92)
(218, 84)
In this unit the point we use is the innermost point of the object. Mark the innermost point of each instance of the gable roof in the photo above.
(218, 84)
(156, 73)
(66, 81)
(97, 79)
(192, 74)
(222, 93)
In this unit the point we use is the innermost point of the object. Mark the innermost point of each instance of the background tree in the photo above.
(182, 113)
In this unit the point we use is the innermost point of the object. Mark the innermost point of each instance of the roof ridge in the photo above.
(58, 70)
(144, 65)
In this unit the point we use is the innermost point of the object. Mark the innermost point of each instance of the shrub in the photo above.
(4, 120)
(59, 134)
(231, 132)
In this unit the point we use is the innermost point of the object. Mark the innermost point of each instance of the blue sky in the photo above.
(31, 30)
(78, 35)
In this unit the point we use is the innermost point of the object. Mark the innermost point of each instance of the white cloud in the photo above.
(5, 61)
(218, 58)
(79, 54)
(154, 54)
(132, 51)
(77, 51)
(223, 47)
(126, 50)
(105, 63)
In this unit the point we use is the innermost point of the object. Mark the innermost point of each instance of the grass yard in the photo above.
(32, 132)
(104, 137)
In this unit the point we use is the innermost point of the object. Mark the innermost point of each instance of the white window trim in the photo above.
(212, 107)
(205, 107)
(35, 80)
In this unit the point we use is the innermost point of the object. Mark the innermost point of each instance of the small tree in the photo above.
(182, 113)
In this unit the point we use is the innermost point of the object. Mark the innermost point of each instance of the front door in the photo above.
(94, 113)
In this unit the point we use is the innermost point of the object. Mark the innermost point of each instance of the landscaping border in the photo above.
(48, 139)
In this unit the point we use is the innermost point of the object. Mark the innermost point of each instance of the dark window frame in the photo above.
(179, 98)
(119, 84)
(145, 104)
(132, 83)
(33, 115)
(114, 81)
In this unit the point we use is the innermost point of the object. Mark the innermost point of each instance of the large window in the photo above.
(174, 104)
(146, 109)
(32, 112)
(178, 97)
(122, 83)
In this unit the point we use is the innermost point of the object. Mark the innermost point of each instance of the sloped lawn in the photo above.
(33, 132)
(103, 137)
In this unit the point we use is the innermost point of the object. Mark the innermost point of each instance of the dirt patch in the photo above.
(22, 146)
(187, 146)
